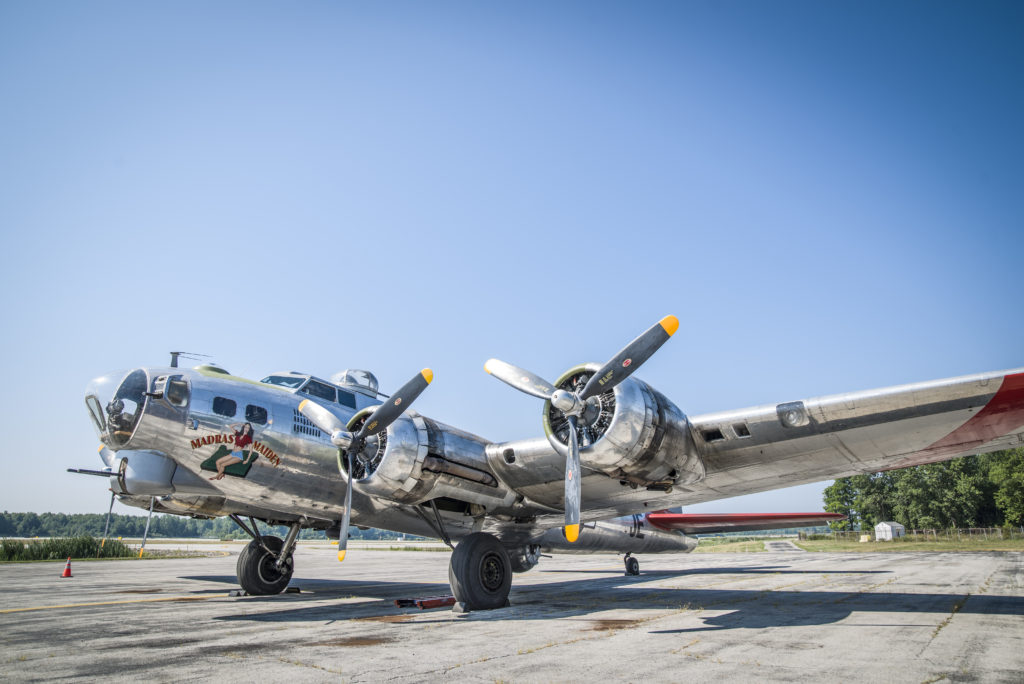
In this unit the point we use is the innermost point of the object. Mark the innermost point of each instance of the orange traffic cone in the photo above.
(67, 569)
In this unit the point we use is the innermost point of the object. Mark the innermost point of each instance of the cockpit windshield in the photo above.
(284, 381)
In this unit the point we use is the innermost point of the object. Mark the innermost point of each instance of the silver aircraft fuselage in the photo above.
(164, 428)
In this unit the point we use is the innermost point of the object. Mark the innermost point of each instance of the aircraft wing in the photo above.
(770, 447)
(706, 523)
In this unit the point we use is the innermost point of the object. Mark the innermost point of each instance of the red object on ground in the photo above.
(424, 603)
(67, 569)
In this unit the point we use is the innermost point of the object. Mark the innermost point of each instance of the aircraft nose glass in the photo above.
(116, 412)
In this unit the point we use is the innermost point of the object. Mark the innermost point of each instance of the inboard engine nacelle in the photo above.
(631, 432)
(417, 459)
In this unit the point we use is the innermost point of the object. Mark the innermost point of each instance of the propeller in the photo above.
(350, 444)
(573, 404)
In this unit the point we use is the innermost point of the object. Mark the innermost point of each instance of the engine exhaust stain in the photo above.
(356, 641)
(604, 625)
(385, 618)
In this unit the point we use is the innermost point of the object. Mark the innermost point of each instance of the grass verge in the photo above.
(898, 546)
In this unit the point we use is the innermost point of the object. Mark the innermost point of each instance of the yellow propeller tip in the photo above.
(341, 555)
(100, 449)
(428, 375)
(303, 403)
(572, 532)
(670, 324)
(487, 367)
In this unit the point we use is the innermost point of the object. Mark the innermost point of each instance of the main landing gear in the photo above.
(265, 566)
(480, 572)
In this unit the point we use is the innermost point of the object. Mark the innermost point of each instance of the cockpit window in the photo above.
(346, 399)
(319, 390)
(283, 381)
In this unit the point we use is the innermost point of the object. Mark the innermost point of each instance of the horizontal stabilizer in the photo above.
(706, 523)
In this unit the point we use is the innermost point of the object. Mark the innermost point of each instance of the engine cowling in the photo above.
(631, 432)
(417, 459)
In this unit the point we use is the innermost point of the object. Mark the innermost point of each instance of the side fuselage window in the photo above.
(256, 414)
(346, 399)
(224, 407)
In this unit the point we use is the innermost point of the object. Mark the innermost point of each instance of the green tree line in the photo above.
(974, 491)
(91, 525)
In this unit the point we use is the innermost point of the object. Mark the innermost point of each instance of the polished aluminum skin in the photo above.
(639, 454)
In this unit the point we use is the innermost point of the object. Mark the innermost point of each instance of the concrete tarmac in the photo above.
(868, 617)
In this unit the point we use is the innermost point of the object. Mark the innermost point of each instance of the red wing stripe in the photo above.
(1003, 414)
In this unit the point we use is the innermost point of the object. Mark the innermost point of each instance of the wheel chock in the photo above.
(425, 603)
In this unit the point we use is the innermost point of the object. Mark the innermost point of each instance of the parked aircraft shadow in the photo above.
(716, 608)
(753, 570)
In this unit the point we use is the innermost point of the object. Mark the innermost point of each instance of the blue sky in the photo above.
(828, 195)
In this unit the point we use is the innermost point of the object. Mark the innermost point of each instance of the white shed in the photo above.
(887, 531)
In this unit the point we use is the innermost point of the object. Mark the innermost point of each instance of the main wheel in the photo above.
(257, 570)
(480, 572)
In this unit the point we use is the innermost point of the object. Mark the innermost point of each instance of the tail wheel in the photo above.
(258, 572)
(480, 572)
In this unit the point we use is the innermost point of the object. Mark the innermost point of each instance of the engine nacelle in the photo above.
(417, 459)
(631, 432)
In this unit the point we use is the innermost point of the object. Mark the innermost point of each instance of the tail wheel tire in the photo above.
(480, 572)
(257, 569)
(632, 566)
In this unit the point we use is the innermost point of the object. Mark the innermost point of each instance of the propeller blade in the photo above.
(632, 356)
(326, 421)
(343, 533)
(108, 456)
(522, 380)
(573, 488)
(386, 413)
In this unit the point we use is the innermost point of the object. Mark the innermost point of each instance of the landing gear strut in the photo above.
(480, 572)
(632, 565)
(265, 566)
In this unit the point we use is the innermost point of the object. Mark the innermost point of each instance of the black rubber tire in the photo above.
(632, 566)
(480, 572)
(257, 572)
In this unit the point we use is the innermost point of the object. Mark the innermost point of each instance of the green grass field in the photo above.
(941, 544)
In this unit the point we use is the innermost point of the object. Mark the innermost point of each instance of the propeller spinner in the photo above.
(573, 404)
(349, 444)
